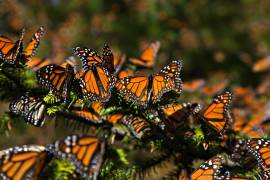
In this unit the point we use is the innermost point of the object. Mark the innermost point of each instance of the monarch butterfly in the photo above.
(33, 109)
(139, 126)
(10, 52)
(193, 85)
(143, 89)
(176, 114)
(91, 114)
(260, 148)
(24, 162)
(125, 73)
(216, 114)
(36, 63)
(86, 153)
(213, 89)
(57, 79)
(245, 126)
(262, 65)
(114, 118)
(147, 58)
(209, 170)
(97, 81)
(30, 50)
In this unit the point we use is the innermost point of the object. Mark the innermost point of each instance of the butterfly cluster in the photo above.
(105, 90)
(28, 161)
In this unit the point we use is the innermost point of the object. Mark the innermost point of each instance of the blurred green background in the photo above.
(215, 39)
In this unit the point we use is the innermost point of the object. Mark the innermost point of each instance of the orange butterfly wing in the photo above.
(161, 85)
(260, 148)
(209, 170)
(114, 118)
(87, 56)
(36, 63)
(194, 85)
(172, 74)
(92, 114)
(135, 88)
(96, 83)
(84, 152)
(57, 78)
(125, 73)
(33, 44)
(23, 162)
(216, 113)
(148, 56)
(139, 126)
(9, 50)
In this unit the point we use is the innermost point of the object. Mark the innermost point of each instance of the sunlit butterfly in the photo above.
(260, 148)
(11, 51)
(36, 63)
(113, 118)
(125, 73)
(96, 81)
(262, 64)
(209, 170)
(92, 114)
(86, 153)
(147, 58)
(243, 125)
(57, 79)
(145, 89)
(30, 49)
(213, 89)
(31, 108)
(216, 114)
(140, 128)
(23, 162)
(193, 85)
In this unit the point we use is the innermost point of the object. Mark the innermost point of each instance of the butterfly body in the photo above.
(98, 78)
(96, 83)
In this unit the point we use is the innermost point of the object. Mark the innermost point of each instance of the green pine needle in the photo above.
(198, 137)
(54, 109)
(63, 170)
(50, 98)
(122, 155)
